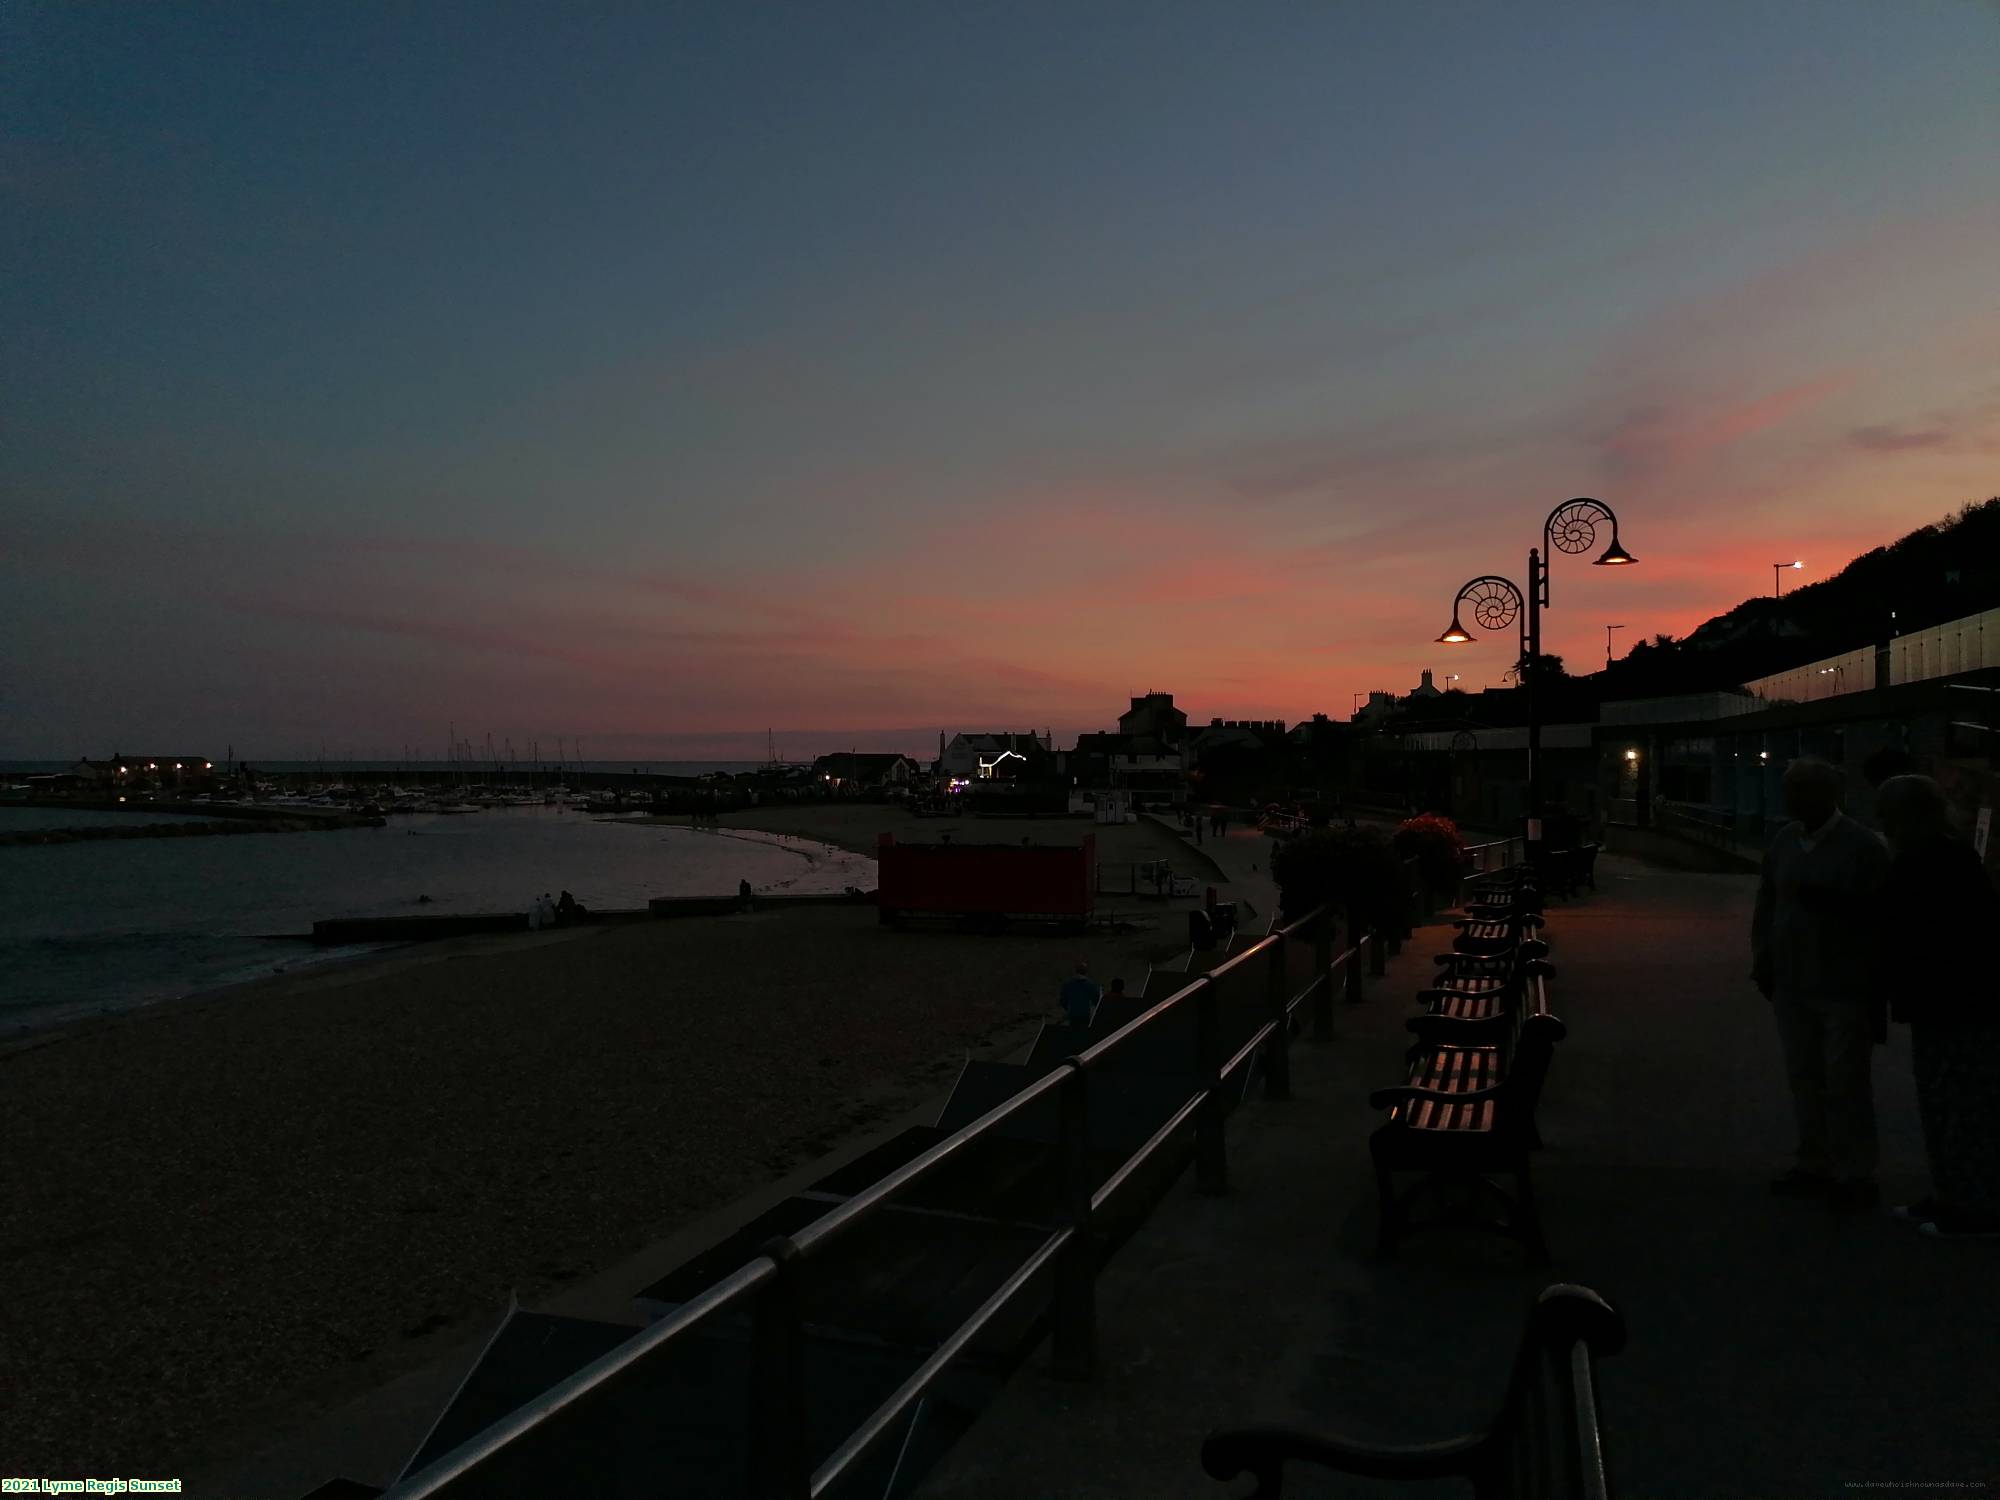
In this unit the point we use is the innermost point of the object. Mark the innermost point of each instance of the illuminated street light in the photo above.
(1496, 602)
(1777, 576)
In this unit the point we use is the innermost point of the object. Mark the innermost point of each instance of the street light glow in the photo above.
(1455, 634)
(1615, 556)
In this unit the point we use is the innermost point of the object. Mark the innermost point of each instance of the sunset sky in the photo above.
(658, 373)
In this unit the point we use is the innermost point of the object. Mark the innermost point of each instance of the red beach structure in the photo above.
(1003, 882)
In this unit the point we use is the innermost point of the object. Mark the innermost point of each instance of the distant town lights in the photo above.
(1631, 754)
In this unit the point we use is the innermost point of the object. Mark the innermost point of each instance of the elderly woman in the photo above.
(1938, 900)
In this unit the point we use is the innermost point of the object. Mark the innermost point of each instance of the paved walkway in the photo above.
(1243, 856)
(1776, 1350)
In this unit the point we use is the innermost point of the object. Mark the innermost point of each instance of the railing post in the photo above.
(1211, 1156)
(1378, 956)
(1278, 1051)
(1373, 940)
(1075, 1311)
(1323, 969)
(780, 1462)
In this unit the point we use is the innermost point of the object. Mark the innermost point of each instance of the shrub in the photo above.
(1433, 841)
(1354, 868)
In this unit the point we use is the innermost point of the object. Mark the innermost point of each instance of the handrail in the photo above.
(830, 1223)
(767, 1267)
(1483, 864)
(1117, 1180)
(884, 1417)
(484, 1444)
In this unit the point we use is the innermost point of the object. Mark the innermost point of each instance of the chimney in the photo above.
(1427, 676)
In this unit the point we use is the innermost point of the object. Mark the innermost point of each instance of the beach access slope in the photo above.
(228, 1214)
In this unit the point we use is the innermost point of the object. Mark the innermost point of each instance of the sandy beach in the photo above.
(224, 1213)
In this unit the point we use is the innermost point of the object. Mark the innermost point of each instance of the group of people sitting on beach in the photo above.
(542, 912)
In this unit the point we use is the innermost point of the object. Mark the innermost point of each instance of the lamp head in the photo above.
(1456, 635)
(1615, 556)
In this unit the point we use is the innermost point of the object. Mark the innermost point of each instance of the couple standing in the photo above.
(1850, 932)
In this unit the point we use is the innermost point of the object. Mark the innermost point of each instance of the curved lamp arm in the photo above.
(1572, 528)
(1496, 603)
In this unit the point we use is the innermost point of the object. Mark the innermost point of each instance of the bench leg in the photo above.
(1389, 1221)
(1530, 1226)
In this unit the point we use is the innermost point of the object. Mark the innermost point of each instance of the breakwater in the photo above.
(263, 822)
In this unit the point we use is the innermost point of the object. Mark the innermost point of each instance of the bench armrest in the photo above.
(1263, 1452)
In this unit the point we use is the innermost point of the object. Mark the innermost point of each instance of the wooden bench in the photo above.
(1524, 897)
(1466, 1112)
(1545, 1443)
(1492, 935)
(1472, 987)
(1565, 871)
(1498, 885)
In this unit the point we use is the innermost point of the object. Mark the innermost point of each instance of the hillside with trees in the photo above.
(1933, 574)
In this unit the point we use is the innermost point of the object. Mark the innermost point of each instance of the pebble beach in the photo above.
(228, 1211)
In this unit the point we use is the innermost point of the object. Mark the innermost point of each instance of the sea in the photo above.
(100, 926)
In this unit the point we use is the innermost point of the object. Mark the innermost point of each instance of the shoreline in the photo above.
(335, 1171)
(32, 1031)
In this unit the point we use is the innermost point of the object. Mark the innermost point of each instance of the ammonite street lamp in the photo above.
(1572, 528)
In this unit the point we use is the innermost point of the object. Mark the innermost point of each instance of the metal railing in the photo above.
(1483, 859)
(780, 1463)
(1715, 826)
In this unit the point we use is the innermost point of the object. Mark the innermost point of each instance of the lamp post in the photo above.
(1778, 575)
(1571, 527)
(1607, 642)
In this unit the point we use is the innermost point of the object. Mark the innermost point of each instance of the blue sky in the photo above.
(658, 373)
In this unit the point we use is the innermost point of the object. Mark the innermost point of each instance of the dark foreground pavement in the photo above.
(1776, 1350)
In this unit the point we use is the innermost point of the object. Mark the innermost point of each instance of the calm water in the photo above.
(107, 925)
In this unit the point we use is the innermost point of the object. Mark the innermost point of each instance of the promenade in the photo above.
(1776, 1350)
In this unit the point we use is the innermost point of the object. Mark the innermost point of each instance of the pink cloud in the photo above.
(1886, 439)
(1653, 440)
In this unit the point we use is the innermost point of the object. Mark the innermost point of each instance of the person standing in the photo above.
(1937, 901)
(1815, 956)
(1079, 996)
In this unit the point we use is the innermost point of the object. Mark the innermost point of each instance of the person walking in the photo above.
(1938, 899)
(1079, 996)
(1815, 957)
